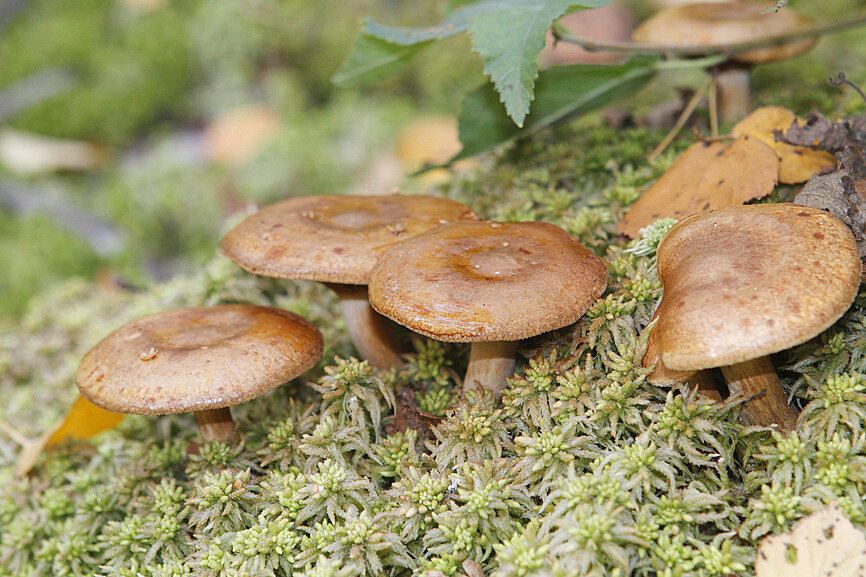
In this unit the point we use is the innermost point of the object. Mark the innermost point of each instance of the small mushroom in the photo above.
(338, 240)
(743, 282)
(695, 25)
(201, 360)
(491, 284)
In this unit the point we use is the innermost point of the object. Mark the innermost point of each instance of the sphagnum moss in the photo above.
(581, 467)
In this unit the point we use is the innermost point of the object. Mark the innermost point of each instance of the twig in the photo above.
(713, 105)
(841, 79)
(731, 48)
(681, 121)
(14, 434)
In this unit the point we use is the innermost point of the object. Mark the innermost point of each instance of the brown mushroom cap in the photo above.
(485, 281)
(196, 359)
(746, 281)
(334, 239)
(726, 23)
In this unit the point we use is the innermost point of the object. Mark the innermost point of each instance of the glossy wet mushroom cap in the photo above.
(484, 281)
(197, 359)
(336, 239)
(491, 284)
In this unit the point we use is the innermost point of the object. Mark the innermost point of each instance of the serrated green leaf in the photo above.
(560, 93)
(373, 59)
(508, 34)
(509, 37)
(455, 23)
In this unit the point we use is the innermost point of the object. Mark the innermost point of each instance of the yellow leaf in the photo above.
(706, 176)
(82, 421)
(823, 544)
(797, 163)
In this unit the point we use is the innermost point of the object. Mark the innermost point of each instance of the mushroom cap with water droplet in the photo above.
(334, 239)
(196, 359)
(701, 24)
(744, 282)
(485, 281)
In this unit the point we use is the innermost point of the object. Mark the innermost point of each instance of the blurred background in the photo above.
(133, 133)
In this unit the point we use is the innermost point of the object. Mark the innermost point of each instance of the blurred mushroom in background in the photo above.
(613, 22)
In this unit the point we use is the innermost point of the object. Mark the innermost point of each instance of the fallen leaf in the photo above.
(824, 544)
(706, 176)
(236, 136)
(842, 193)
(797, 163)
(430, 141)
(821, 133)
(82, 421)
(408, 416)
(473, 568)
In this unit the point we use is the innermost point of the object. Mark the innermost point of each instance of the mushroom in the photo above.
(664, 376)
(695, 25)
(613, 22)
(337, 240)
(491, 284)
(743, 282)
(201, 359)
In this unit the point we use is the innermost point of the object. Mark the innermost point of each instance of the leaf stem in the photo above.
(681, 121)
(726, 48)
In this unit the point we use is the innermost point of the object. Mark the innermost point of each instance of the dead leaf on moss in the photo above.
(797, 163)
(824, 544)
(408, 416)
(842, 193)
(82, 421)
(821, 133)
(707, 175)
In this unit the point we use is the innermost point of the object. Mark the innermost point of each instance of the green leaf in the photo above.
(560, 93)
(509, 37)
(508, 34)
(373, 59)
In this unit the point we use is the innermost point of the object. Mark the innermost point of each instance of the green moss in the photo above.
(131, 67)
(37, 253)
(581, 467)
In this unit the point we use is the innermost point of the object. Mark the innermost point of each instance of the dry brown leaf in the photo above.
(798, 163)
(824, 544)
(707, 175)
(842, 192)
(821, 133)
(433, 141)
(82, 421)
(238, 135)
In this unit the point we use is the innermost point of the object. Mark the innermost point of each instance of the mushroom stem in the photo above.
(490, 364)
(705, 384)
(733, 91)
(216, 424)
(374, 336)
(757, 378)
